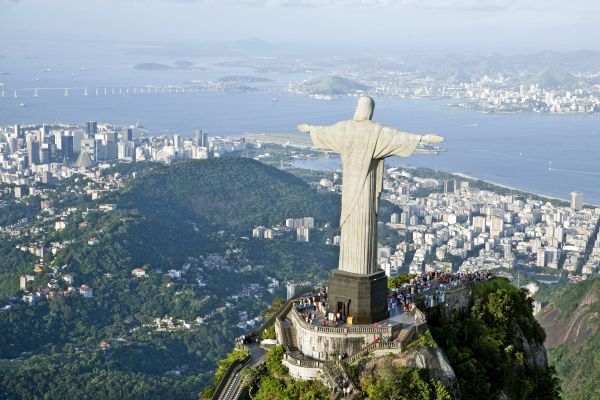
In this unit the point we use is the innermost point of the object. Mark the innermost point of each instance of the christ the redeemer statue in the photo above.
(363, 145)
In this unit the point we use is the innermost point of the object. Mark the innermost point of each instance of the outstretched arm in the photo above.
(323, 137)
(393, 142)
(432, 138)
(304, 128)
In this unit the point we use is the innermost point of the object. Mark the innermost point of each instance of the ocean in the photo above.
(547, 154)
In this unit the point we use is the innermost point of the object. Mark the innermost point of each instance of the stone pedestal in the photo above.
(361, 297)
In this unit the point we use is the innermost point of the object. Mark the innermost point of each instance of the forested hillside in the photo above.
(232, 193)
(496, 348)
(570, 318)
(183, 227)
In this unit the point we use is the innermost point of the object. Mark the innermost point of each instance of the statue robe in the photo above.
(362, 146)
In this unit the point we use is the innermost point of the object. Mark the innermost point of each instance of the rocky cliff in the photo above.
(422, 356)
(570, 318)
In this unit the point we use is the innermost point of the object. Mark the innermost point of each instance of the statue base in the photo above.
(363, 299)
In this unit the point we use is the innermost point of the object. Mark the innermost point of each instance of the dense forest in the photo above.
(13, 263)
(496, 347)
(190, 218)
(231, 193)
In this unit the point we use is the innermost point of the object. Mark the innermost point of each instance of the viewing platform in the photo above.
(312, 347)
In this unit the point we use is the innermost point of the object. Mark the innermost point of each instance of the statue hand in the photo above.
(432, 138)
(304, 128)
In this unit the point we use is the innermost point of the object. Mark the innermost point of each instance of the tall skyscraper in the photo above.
(58, 140)
(91, 127)
(13, 144)
(66, 145)
(479, 224)
(112, 137)
(303, 234)
(54, 153)
(449, 186)
(45, 154)
(77, 138)
(176, 141)
(308, 222)
(126, 150)
(44, 133)
(33, 152)
(496, 227)
(201, 138)
(126, 134)
(540, 258)
(576, 201)
(111, 151)
(507, 250)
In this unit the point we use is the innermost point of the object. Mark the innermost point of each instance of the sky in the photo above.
(347, 25)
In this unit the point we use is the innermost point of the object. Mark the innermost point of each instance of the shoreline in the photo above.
(467, 176)
(291, 139)
(282, 139)
(473, 178)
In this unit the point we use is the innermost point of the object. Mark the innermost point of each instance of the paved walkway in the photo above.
(257, 353)
(396, 317)
(233, 389)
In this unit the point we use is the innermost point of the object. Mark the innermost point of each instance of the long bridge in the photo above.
(101, 91)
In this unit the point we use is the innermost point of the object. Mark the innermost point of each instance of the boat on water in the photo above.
(22, 105)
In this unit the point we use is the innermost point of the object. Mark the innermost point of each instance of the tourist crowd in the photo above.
(432, 285)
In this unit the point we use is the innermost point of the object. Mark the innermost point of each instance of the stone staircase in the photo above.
(336, 374)
(334, 378)
(289, 336)
(342, 367)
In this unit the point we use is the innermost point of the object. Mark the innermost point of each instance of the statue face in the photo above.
(364, 109)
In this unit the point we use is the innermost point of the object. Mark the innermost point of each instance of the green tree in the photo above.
(273, 361)
(405, 384)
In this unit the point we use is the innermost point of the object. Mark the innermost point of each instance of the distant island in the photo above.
(330, 86)
(179, 64)
(152, 67)
(243, 79)
(184, 64)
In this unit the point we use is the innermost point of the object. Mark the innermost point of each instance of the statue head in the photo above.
(364, 109)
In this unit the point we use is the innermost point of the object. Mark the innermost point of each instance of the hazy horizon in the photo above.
(306, 26)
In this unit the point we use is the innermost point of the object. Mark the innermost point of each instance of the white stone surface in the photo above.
(363, 146)
(303, 373)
